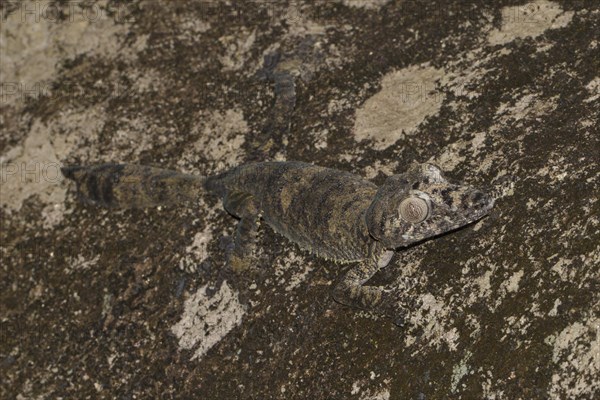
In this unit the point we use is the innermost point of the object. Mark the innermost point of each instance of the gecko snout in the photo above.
(479, 200)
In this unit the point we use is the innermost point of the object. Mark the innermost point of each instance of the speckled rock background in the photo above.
(137, 304)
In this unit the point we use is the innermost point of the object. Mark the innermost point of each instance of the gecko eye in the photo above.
(414, 209)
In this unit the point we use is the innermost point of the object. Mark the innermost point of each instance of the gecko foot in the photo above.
(238, 264)
(238, 260)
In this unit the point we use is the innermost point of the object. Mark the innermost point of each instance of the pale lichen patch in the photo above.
(295, 264)
(299, 24)
(512, 284)
(32, 169)
(433, 318)
(383, 394)
(576, 353)
(365, 4)
(529, 105)
(81, 263)
(299, 277)
(237, 49)
(135, 134)
(529, 20)
(451, 156)
(461, 76)
(483, 283)
(563, 268)
(197, 251)
(207, 320)
(459, 371)
(146, 80)
(33, 44)
(593, 87)
(554, 311)
(388, 169)
(35, 41)
(193, 28)
(407, 97)
(221, 136)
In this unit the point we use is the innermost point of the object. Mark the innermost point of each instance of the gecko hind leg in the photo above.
(352, 291)
(241, 254)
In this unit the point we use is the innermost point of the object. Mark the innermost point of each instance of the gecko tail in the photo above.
(133, 186)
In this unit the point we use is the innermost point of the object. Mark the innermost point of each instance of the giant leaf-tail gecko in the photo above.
(331, 213)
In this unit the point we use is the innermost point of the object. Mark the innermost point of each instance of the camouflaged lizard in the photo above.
(332, 213)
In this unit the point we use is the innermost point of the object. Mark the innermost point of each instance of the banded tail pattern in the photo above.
(133, 186)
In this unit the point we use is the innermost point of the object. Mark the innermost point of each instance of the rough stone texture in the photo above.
(99, 304)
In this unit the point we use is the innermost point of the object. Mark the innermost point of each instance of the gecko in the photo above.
(331, 213)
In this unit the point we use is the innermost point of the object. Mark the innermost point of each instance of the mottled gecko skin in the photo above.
(334, 214)
(298, 59)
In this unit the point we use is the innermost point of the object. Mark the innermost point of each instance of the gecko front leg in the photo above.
(243, 206)
(351, 289)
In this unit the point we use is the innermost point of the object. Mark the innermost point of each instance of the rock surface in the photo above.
(136, 304)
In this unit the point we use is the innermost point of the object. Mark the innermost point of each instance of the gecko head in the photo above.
(420, 204)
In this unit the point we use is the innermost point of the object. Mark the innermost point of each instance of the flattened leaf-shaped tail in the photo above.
(133, 186)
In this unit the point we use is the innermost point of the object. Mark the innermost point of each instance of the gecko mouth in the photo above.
(450, 228)
(473, 219)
